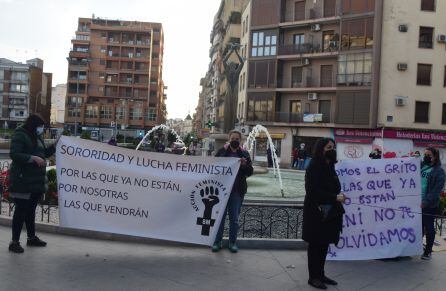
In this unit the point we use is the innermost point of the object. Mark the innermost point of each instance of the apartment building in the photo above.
(310, 68)
(115, 75)
(24, 89)
(58, 100)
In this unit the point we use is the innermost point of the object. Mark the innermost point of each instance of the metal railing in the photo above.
(295, 49)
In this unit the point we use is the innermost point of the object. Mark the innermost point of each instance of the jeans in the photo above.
(428, 221)
(25, 212)
(317, 253)
(301, 164)
(233, 208)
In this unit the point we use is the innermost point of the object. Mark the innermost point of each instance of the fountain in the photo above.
(145, 140)
(249, 146)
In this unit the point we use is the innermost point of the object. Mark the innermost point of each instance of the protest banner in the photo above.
(156, 195)
(382, 218)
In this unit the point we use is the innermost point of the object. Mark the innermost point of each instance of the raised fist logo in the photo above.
(209, 197)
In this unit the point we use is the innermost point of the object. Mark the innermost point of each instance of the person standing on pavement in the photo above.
(323, 210)
(28, 180)
(234, 150)
(432, 184)
(301, 157)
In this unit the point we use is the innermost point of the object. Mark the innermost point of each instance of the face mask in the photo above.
(427, 160)
(39, 130)
(331, 156)
(234, 144)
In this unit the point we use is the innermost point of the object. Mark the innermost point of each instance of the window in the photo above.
(422, 112)
(425, 38)
(1, 87)
(326, 76)
(103, 35)
(102, 62)
(263, 44)
(443, 115)
(2, 74)
(74, 112)
(357, 33)
(444, 81)
(152, 114)
(428, 5)
(298, 40)
(299, 10)
(296, 77)
(120, 112)
(325, 110)
(357, 6)
(329, 8)
(91, 112)
(424, 74)
(260, 110)
(355, 69)
(330, 41)
(295, 111)
(106, 112)
(82, 37)
(135, 113)
(19, 76)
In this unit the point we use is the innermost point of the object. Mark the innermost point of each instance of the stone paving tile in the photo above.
(109, 265)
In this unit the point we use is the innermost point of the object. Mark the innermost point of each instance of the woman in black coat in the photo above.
(323, 210)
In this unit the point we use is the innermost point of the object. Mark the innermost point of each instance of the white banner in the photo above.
(156, 195)
(382, 218)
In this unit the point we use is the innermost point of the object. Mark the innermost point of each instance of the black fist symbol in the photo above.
(209, 196)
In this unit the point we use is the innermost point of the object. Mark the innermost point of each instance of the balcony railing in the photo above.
(288, 117)
(295, 49)
(364, 79)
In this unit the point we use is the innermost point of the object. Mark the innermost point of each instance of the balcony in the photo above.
(364, 79)
(287, 117)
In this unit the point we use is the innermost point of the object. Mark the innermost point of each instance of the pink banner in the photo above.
(391, 133)
(354, 140)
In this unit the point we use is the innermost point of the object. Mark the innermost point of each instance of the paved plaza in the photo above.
(72, 263)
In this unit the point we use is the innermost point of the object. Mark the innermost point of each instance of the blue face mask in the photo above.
(39, 130)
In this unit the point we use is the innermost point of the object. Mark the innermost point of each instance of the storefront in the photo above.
(358, 143)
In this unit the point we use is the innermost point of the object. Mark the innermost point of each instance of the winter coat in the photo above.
(322, 186)
(243, 172)
(26, 176)
(435, 184)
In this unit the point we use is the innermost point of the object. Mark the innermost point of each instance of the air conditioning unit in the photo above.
(244, 130)
(305, 62)
(315, 27)
(403, 28)
(441, 38)
(312, 96)
(400, 100)
(402, 66)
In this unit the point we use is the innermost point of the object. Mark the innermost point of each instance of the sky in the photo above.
(44, 29)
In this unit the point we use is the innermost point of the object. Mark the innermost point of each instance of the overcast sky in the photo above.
(44, 28)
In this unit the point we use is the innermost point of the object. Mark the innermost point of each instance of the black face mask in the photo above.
(427, 160)
(331, 156)
(234, 144)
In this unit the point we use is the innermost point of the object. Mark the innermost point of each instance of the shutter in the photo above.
(327, 76)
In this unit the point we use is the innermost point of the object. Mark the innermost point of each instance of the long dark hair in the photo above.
(436, 156)
(318, 153)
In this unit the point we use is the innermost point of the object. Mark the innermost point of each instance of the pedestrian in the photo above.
(323, 210)
(294, 157)
(28, 181)
(301, 157)
(269, 156)
(239, 188)
(432, 184)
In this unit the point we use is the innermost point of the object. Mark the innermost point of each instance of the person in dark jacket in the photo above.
(238, 190)
(432, 184)
(323, 210)
(28, 180)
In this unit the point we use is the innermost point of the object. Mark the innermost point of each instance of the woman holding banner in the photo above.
(323, 210)
(27, 179)
(432, 183)
(234, 150)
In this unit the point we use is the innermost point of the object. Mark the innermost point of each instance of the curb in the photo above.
(245, 243)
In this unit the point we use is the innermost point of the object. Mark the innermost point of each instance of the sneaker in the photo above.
(426, 256)
(216, 247)
(15, 247)
(233, 247)
(35, 242)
